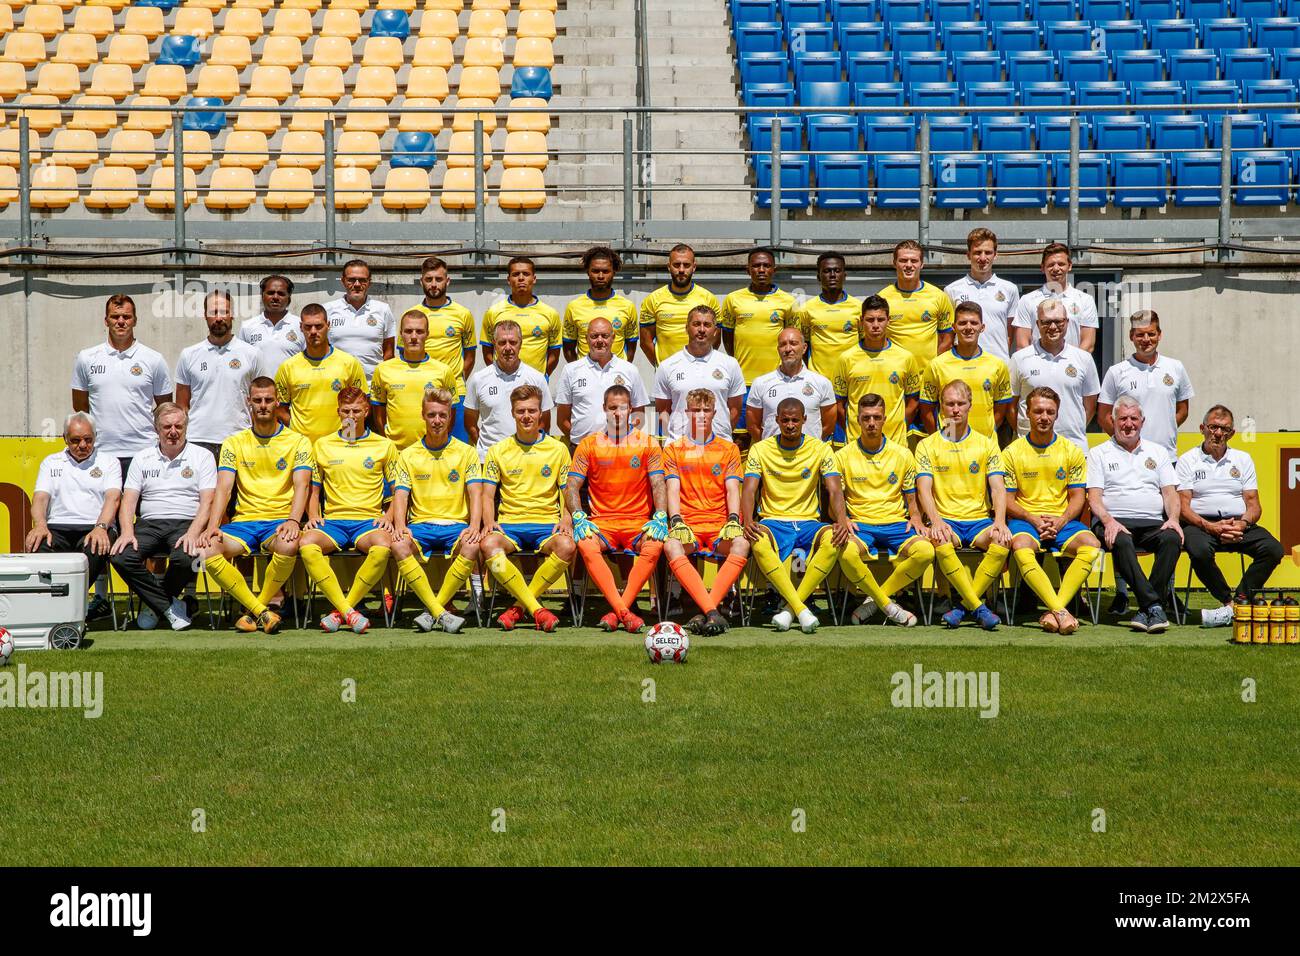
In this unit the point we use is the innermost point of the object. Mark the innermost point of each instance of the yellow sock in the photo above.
(822, 562)
(957, 575)
(512, 581)
(769, 562)
(990, 568)
(1037, 579)
(413, 574)
(856, 570)
(233, 583)
(369, 574)
(920, 555)
(547, 573)
(278, 570)
(1077, 573)
(318, 568)
(457, 575)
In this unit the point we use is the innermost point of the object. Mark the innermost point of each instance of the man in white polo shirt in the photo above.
(172, 484)
(698, 365)
(359, 325)
(1069, 371)
(119, 382)
(1132, 491)
(1220, 510)
(274, 331)
(1079, 307)
(488, 418)
(791, 379)
(76, 497)
(1158, 382)
(212, 377)
(998, 298)
(580, 393)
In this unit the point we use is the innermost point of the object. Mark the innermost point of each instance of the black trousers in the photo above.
(1257, 543)
(156, 537)
(1144, 535)
(70, 538)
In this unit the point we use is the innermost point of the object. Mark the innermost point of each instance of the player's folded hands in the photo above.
(656, 529)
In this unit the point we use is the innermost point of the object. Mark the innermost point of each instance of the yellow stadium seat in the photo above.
(268, 122)
(131, 147)
(487, 23)
(408, 120)
(312, 5)
(282, 50)
(332, 51)
(439, 23)
(289, 189)
(112, 79)
(79, 49)
(9, 154)
(341, 23)
(67, 6)
(291, 22)
(219, 81)
(243, 22)
(453, 5)
(359, 5)
(534, 51)
(25, 48)
(483, 51)
(42, 120)
(153, 121)
(261, 6)
(433, 51)
(305, 148)
(8, 186)
(97, 21)
(112, 187)
(407, 5)
(231, 50)
(465, 121)
(53, 187)
(62, 80)
(536, 23)
(216, 6)
(367, 122)
(194, 22)
(7, 19)
(406, 189)
(162, 189)
(43, 18)
(428, 82)
(376, 81)
(128, 49)
(358, 148)
(146, 21)
(536, 122)
(479, 81)
(352, 190)
(198, 150)
(166, 80)
(460, 150)
(549, 5)
(245, 148)
(525, 149)
(310, 121)
(273, 81)
(522, 188)
(382, 51)
(114, 5)
(78, 148)
(13, 79)
(457, 189)
(97, 121)
(323, 81)
(231, 188)
(502, 5)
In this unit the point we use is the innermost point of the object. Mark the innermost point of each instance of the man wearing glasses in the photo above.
(1066, 369)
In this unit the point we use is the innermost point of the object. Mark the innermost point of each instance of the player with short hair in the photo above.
(400, 383)
(600, 301)
(1045, 481)
(580, 394)
(958, 471)
(212, 377)
(1068, 370)
(790, 379)
(621, 467)
(1160, 383)
(921, 313)
(539, 322)
(987, 375)
(309, 383)
(997, 298)
(489, 413)
(702, 482)
(664, 312)
(753, 318)
(451, 333)
(1080, 309)
(275, 332)
(699, 365)
(355, 472)
(360, 325)
(529, 469)
(829, 322)
(878, 365)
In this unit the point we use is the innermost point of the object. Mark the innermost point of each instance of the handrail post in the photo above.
(774, 187)
(1225, 190)
(480, 227)
(331, 220)
(923, 220)
(629, 182)
(178, 185)
(1072, 222)
(24, 185)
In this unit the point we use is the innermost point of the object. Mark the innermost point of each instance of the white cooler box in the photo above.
(43, 599)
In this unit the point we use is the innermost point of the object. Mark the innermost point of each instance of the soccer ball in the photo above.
(667, 643)
(7, 646)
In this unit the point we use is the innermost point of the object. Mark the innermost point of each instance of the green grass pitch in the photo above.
(489, 748)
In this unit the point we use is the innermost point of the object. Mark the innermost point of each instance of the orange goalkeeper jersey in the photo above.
(702, 472)
(618, 475)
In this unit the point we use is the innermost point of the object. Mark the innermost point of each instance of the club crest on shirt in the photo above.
(616, 322)
(281, 465)
(974, 468)
(619, 380)
(1074, 308)
(235, 363)
(546, 471)
(96, 472)
(1234, 472)
(635, 462)
(1060, 474)
(292, 336)
(372, 321)
(848, 326)
(450, 332)
(537, 332)
(717, 470)
(717, 373)
(1169, 379)
(336, 385)
(988, 386)
(925, 316)
(453, 475)
(1150, 464)
(893, 378)
(368, 463)
(807, 472)
(1071, 372)
(187, 472)
(137, 370)
(1001, 296)
(892, 478)
(808, 389)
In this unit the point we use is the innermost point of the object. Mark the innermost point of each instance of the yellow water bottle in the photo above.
(1292, 620)
(1277, 621)
(1259, 621)
(1241, 618)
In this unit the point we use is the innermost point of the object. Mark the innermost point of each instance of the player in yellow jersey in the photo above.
(539, 323)
(985, 373)
(1046, 478)
(451, 333)
(529, 469)
(829, 322)
(782, 477)
(399, 383)
(436, 511)
(752, 318)
(268, 467)
(877, 364)
(355, 472)
(958, 471)
(922, 312)
(308, 384)
(664, 311)
(600, 301)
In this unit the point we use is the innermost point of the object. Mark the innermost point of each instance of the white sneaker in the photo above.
(425, 623)
(177, 616)
(900, 615)
(146, 620)
(1217, 617)
(808, 621)
(865, 611)
(782, 620)
(451, 623)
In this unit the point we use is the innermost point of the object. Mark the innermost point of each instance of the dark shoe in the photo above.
(717, 624)
(1140, 622)
(697, 624)
(1119, 606)
(1156, 620)
(98, 607)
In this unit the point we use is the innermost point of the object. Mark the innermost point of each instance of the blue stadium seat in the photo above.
(1286, 63)
(843, 181)
(1085, 66)
(1212, 91)
(1275, 33)
(1101, 93)
(1104, 9)
(760, 133)
(1192, 65)
(180, 51)
(1158, 92)
(1225, 33)
(1005, 134)
(1010, 36)
(1202, 9)
(990, 94)
(830, 95)
(1141, 179)
(762, 94)
(855, 11)
(1171, 34)
(1031, 66)
(1246, 64)
(964, 35)
(959, 181)
(1138, 66)
(903, 11)
(413, 149)
(912, 36)
(1052, 133)
(1261, 178)
(862, 37)
(1052, 93)
(1051, 10)
(933, 94)
(817, 68)
(1000, 11)
(898, 181)
(1254, 9)
(803, 11)
(1094, 180)
(210, 119)
(1068, 35)
(810, 37)
(830, 133)
(160, 4)
(1122, 34)
(1284, 131)
(1020, 181)
(1116, 134)
(1249, 131)
(534, 81)
(1197, 179)
(390, 23)
(763, 68)
(923, 67)
(1153, 9)
(878, 94)
(1270, 91)
(868, 66)
(755, 11)
(796, 180)
(977, 66)
(951, 134)
(889, 134)
(759, 38)
(1178, 132)
(954, 11)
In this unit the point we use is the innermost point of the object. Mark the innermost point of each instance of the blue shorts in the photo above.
(528, 537)
(888, 537)
(740, 422)
(1068, 530)
(839, 435)
(790, 535)
(345, 533)
(968, 531)
(253, 534)
(458, 423)
(436, 539)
